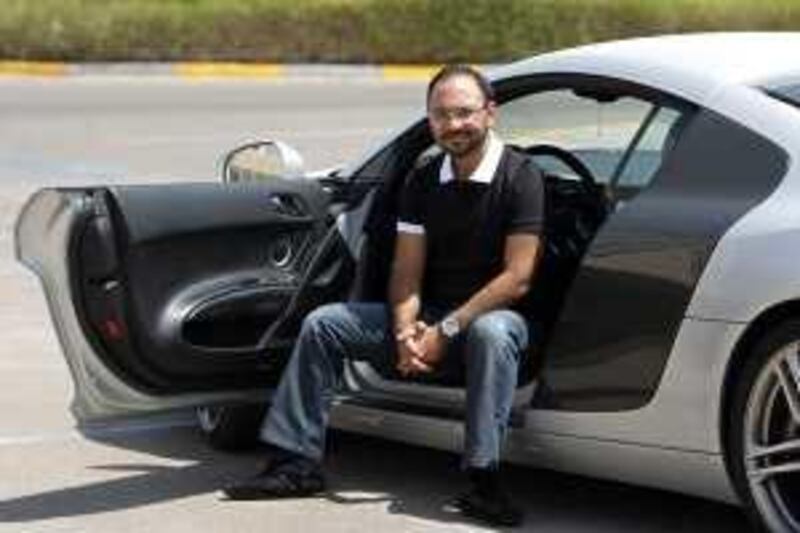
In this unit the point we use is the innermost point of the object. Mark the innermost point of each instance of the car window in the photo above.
(657, 137)
(621, 139)
(786, 93)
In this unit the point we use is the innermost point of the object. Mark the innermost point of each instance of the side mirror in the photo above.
(261, 160)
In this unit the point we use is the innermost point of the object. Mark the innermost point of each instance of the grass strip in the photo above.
(354, 31)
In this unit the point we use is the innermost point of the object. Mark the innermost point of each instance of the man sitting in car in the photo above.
(467, 245)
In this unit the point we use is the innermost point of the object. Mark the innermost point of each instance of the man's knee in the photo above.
(323, 318)
(498, 327)
(497, 332)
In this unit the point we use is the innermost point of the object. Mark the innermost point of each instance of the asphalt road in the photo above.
(157, 475)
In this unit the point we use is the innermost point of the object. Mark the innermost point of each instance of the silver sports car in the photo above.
(667, 302)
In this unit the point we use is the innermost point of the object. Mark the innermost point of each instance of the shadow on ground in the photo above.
(410, 480)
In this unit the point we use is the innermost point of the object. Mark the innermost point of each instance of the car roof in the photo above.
(694, 65)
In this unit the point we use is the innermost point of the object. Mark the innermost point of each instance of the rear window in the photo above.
(787, 93)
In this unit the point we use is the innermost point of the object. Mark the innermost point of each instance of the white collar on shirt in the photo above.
(487, 167)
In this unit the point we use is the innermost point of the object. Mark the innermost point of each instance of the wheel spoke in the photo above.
(788, 372)
(762, 474)
(765, 462)
(764, 452)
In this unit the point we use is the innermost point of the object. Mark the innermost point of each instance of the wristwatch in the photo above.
(449, 326)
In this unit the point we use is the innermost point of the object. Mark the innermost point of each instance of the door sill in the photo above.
(369, 388)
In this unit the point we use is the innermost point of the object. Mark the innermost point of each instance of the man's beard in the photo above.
(467, 143)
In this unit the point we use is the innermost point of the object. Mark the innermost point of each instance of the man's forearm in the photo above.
(405, 281)
(405, 312)
(404, 301)
(521, 254)
(501, 291)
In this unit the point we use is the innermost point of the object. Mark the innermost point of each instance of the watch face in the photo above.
(450, 327)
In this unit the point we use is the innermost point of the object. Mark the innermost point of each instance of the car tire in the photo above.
(764, 430)
(231, 427)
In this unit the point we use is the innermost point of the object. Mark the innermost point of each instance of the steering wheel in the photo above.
(566, 157)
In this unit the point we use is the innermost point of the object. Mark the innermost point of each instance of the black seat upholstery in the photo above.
(574, 211)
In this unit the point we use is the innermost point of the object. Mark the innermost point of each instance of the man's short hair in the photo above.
(460, 69)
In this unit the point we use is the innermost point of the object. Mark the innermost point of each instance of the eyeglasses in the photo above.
(441, 114)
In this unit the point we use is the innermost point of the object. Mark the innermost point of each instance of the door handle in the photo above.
(287, 204)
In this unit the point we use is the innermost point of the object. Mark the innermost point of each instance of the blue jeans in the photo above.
(492, 348)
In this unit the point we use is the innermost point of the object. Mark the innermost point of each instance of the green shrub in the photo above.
(403, 31)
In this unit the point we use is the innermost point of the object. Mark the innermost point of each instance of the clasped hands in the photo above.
(420, 347)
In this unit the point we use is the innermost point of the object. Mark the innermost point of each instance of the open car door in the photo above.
(166, 296)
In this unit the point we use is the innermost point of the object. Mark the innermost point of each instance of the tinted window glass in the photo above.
(788, 93)
(658, 136)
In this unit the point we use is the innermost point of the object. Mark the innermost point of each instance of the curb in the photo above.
(212, 70)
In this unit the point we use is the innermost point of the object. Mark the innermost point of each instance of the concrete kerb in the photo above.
(200, 70)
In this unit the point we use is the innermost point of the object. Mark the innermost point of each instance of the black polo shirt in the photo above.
(465, 222)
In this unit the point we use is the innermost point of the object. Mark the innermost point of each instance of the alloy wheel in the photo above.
(771, 439)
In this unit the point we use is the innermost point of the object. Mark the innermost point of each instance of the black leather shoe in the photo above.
(494, 509)
(487, 501)
(294, 477)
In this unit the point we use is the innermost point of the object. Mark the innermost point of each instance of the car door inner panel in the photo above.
(194, 287)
